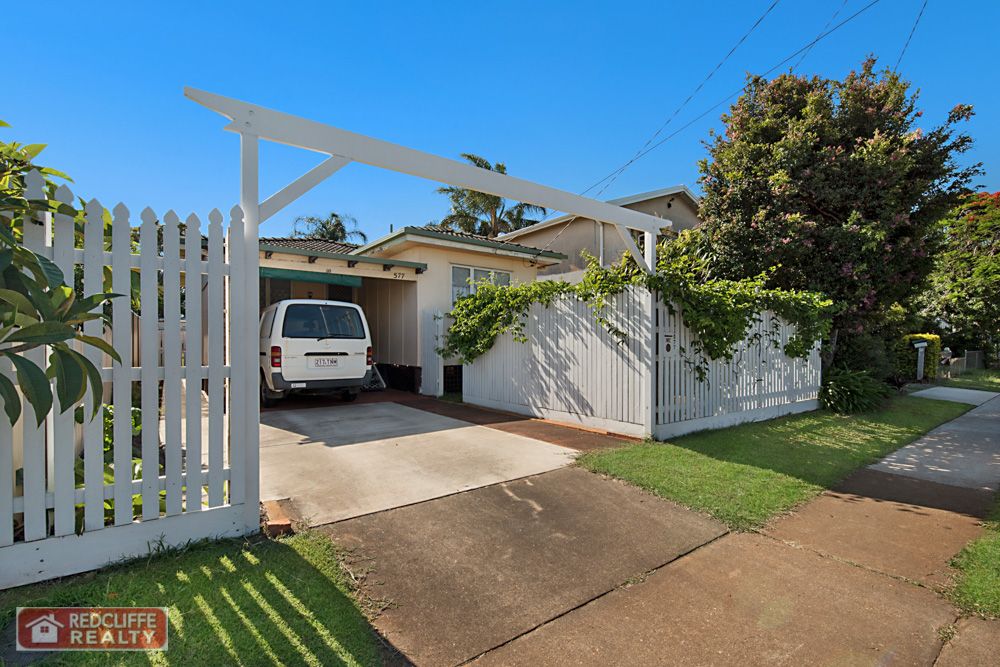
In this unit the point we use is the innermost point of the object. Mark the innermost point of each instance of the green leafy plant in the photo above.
(848, 391)
(905, 369)
(37, 306)
(719, 313)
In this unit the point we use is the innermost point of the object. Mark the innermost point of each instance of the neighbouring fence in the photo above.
(77, 496)
(573, 369)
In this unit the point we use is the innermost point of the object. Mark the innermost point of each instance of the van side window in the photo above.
(321, 321)
(266, 322)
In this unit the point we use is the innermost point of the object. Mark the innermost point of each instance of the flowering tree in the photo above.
(965, 286)
(835, 184)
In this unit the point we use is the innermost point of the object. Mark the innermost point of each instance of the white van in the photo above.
(308, 344)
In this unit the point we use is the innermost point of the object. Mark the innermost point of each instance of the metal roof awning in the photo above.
(310, 276)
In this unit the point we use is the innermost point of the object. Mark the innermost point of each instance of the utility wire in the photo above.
(712, 108)
(827, 25)
(910, 36)
(760, 19)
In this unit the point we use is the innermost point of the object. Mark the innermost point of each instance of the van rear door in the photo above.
(323, 341)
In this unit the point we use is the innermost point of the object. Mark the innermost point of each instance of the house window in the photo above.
(462, 275)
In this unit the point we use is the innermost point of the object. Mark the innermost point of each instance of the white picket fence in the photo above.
(73, 508)
(572, 369)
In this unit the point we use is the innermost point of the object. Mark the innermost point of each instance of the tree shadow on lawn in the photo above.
(230, 602)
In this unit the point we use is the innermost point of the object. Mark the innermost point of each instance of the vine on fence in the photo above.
(719, 313)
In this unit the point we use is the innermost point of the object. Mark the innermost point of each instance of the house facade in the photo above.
(572, 235)
(404, 281)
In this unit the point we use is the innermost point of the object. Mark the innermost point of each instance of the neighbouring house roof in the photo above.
(309, 243)
(621, 201)
(432, 233)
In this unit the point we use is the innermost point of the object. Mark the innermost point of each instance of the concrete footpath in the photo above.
(567, 567)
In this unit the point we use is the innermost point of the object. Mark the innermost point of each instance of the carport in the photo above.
(341, 147)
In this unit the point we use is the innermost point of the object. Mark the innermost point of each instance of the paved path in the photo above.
(964, 452)
(566, 567)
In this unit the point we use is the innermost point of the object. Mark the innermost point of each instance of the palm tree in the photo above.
(334, 227)
(487, 215)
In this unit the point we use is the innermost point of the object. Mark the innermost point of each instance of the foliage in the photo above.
(746, 474)
(719, 313)
(334, 227)
(37, 307)
(905, 356)
(480, 213)
(848, 392)
(977, 589)
(966, 279)
(834, 183)
(229, 602)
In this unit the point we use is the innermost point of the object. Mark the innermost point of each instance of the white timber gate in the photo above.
(76, 496)
(572, 369)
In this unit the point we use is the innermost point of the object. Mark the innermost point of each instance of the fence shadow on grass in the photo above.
(230, 602)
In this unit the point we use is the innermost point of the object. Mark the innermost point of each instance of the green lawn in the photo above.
(746, 474)
(978, 587)
(231, 602)
(987, 380)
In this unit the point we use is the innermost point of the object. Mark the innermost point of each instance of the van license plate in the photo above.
(325, 362)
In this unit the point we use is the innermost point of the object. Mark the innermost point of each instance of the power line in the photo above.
(740, 90)
(683, 104)
(825, 26)
(649, 149)
(910, 36)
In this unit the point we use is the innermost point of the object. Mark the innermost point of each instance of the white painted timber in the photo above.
(39, 518)
(311, 135)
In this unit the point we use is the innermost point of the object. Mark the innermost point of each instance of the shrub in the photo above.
(848, 391)
(866, 352)
(906, 357)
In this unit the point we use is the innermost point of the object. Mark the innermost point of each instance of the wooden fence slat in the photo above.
(149, 339)
(238, 348)
(121, 376)
(172, 406)
(33, 435)
(6, 470)
(192, 363)
(216, 359)
(93, 427)
(63, 438)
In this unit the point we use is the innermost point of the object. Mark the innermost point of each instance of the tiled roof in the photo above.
(438, 229)
(305, 243)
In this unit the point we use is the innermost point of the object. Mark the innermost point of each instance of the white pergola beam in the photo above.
(311, 135)
(301, 185)
(633, 248)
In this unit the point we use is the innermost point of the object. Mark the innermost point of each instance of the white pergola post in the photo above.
(249, 435)
(649, 344)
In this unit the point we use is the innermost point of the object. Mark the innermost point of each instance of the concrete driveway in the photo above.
(345, 461)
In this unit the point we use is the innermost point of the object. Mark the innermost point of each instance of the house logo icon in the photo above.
(45, 629)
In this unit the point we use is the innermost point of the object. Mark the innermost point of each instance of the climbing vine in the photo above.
(718, 313)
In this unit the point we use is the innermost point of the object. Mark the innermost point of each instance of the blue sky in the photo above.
(563, 92)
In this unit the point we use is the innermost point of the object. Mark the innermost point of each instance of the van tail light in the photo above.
(369, 358)
(275, 356)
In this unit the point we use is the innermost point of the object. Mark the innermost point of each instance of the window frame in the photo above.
(471, 286)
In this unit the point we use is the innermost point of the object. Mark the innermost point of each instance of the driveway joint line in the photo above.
(593, 599)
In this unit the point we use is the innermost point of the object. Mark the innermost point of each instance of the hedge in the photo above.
(906, 357)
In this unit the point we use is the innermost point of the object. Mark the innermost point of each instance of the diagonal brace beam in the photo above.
(301, 185)
(633, 248)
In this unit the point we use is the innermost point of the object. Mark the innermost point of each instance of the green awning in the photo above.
(310, 276)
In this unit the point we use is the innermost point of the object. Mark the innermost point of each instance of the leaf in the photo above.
(43, 332)
(4, 123)
(34, 385)
(18, 300)
(11, 401)
(94, 376)
(71, 383)
(32, 150)
(102, 345)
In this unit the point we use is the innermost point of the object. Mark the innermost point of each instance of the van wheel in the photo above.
(349, 396)
(268, 398)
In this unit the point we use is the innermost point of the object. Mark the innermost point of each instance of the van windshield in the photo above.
(322, 321)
